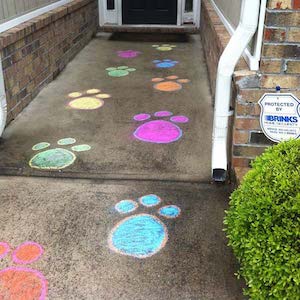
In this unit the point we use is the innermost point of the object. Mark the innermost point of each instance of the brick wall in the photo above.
(280, 65)
(214, 37)
(35, 52)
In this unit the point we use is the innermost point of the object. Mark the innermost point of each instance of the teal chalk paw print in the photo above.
(165, 64)
(119, 71)
(141, 235)
(57, 158)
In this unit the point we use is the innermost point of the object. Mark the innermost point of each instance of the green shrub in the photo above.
(263, 224)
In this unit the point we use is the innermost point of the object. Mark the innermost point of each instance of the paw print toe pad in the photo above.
(27, 253)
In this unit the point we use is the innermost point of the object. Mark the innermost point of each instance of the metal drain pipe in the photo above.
(232, 53)
(3, 103)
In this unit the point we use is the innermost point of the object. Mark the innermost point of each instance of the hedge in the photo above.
(263, 224)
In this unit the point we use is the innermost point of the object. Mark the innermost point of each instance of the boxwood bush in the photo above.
(263, 224)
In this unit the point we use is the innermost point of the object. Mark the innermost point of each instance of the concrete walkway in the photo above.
(72, 221)
(115, 152)
(132, 136)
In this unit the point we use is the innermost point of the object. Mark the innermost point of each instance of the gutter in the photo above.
(230, 57)
(3, 103)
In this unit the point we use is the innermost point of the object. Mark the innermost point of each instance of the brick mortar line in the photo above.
(288, 10)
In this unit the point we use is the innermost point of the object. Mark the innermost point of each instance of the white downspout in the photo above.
(232, 53)
(3, 104)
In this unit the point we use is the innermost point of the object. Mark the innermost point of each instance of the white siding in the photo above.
(231, 9)
(12, 8)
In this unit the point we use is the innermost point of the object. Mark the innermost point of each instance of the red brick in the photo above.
(247, 123)
(240, 162)
(280, 4)
(240, 137)
(296, 4)
(274, 35)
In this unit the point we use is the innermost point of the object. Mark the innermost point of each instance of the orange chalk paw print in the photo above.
(87, 100)
(18, 282)
(169, 84)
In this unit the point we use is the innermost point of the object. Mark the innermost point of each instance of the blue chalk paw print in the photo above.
(165, 64)
(141, 235)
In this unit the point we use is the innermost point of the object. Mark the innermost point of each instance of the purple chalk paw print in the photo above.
(159, 131)
(165, 64)
(128, 53)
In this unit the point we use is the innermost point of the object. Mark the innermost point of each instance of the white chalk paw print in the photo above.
(159, 131)
(119, 71)
(169, 84)
(164, 47)
(141, 235)
(87, 100)
(58, 158)
(19, 282)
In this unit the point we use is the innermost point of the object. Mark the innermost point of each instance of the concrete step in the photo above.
(188, 28)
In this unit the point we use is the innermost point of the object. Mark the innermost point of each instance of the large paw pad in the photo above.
(159, 131)
(141, 235)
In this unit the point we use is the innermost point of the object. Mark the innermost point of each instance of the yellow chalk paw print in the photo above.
(88, 100)
(164, 47)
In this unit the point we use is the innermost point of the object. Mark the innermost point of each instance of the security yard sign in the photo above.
(280, 116)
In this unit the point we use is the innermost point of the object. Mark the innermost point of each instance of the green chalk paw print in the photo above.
(119, 71)
(57, 158)
(164, 47)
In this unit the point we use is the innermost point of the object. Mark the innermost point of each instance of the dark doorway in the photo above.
(149, 11)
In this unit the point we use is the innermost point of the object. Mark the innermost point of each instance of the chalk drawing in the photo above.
(128, 53)
(160, 131)
(164, 47)
(119, 71)
(142, 235)
(4, 249)
(126, 206)
(165, 64)
(57, 158)
(40, 146)
(150, 200)
(87, 100)
(20, 282)
(169, 84)
(169, 211)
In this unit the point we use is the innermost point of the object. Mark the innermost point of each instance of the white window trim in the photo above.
(251, 59)
(115, 16)
(33, 14)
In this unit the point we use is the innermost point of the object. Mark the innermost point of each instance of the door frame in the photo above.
(114, 17)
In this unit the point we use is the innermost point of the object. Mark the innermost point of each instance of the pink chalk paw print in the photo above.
(128, 53)
(18, 282)
(169, 84)
(159, 131)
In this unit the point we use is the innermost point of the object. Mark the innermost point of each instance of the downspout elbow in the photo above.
(229, 58)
